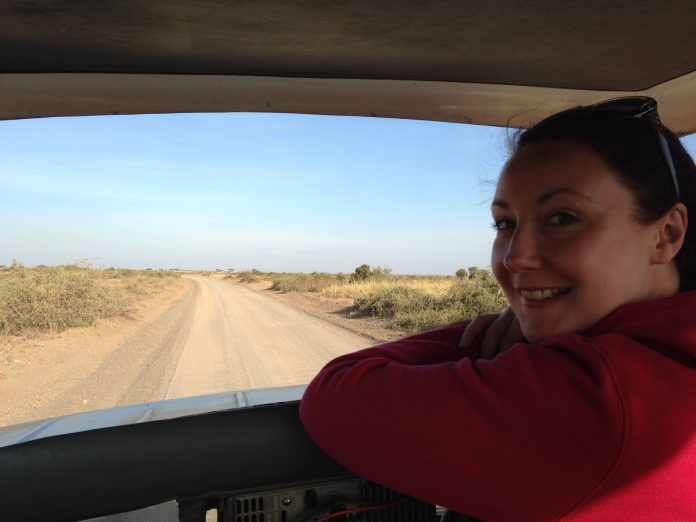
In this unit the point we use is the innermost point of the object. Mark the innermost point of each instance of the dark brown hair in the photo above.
(630, 146)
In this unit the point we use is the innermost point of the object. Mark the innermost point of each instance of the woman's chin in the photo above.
(533, 339)
(535, 335)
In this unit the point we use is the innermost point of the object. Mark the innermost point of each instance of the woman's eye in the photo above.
(503, 224)
(561, 218)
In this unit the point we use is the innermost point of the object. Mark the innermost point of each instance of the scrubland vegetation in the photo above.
(55, 298)
(47, 298)
(407, 303)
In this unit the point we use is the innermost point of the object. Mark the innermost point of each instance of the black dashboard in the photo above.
(253, 464)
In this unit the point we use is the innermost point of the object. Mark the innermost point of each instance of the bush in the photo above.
(361, 273)
(461, 273)
(248, 276)
(364, 272)
(390, 300)
(314, 282)
(427, 319)
(56, 298)
(480, 295)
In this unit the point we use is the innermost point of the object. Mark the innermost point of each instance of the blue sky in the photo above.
(269, 191)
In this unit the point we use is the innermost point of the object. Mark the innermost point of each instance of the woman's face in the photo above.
(568, 249)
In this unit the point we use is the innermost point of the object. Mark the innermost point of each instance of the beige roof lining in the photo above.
(46, 95)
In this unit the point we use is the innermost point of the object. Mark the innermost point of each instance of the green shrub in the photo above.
(314, 282)
(417, 320)
(364, 272)
(477, 296)
(361, 273)
(387, 301)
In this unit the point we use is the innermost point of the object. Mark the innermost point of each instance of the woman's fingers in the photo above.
(477, 326)
(500, 331)
(493, 338)
(513, 334)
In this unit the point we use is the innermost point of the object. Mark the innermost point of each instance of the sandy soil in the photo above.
(334, 311)
(200, 335)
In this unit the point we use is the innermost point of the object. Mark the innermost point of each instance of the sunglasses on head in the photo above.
(616, 109)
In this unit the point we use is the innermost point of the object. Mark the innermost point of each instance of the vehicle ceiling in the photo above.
(462, 53)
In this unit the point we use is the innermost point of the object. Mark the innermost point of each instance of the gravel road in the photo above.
(203, 335)
(241, 339)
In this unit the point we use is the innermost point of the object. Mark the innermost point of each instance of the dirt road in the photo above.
(241, 339)
(203, 336)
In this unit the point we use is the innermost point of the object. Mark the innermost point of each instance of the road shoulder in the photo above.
(334, 311)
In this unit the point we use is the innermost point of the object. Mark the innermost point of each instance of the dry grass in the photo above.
(55, 298)
(434, 286)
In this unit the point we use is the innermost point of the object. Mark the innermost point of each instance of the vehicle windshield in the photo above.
(164, 256)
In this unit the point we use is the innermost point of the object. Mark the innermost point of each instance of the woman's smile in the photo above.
(543, 295)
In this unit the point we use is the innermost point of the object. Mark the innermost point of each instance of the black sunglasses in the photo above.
(630, 107)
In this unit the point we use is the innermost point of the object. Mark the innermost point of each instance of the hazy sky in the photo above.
(268, 191)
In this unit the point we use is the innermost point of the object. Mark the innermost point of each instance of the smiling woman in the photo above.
(569, 249)
(541, 413)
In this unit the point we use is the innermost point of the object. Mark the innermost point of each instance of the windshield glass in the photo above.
(165, 256)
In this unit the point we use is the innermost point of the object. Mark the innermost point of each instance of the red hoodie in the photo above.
(594, 427)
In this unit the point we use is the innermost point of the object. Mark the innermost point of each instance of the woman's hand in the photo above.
(501, 331)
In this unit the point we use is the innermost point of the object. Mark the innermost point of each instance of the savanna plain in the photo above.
(76, 338)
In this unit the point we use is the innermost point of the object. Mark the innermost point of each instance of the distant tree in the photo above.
(473, 271)
(462, 273)
(361, 273)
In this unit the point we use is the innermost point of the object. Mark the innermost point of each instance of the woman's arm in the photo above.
(522, 436)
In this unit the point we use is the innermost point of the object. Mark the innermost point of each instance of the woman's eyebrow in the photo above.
(544, 197)
(562, 190)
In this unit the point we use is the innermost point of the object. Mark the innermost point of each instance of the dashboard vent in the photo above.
(257, 508)
(411, 510)
(348, 500)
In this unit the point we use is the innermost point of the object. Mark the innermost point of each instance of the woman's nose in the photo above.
(522, 251)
